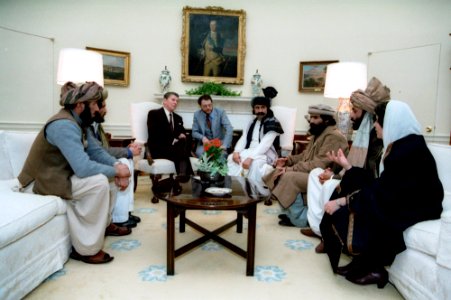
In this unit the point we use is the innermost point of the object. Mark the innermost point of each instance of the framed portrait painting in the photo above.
(213, 45)
(116, 66)
(312, 75)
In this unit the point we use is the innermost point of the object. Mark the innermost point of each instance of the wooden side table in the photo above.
(121, 141)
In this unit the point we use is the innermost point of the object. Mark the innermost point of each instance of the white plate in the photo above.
(218, 191)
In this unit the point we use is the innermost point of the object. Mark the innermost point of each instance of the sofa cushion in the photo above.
(14, 148)
(423, 237)
(21, 213)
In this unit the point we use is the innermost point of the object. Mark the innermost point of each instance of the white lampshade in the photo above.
(79, 66)
(344, 78)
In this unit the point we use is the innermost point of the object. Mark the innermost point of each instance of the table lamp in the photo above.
(341, 80)
(79, 66)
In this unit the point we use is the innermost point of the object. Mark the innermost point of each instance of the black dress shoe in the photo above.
(286, 222)
(129, 224)
(134, 218)
(283, 217)
(353, 269)
(375, 277)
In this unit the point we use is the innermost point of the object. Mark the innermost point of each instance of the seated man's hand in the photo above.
(135, 149)
(325, 175)
(121, 182)
(122, 170)
(333, 205)
(339, 158)
(182, 136)
(236, 157)
(247, 163)
(281, 162)
(278, 172)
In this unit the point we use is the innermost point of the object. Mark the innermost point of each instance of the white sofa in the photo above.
(34, 232)
(423, 270)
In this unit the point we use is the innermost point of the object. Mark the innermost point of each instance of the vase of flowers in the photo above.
(213, 163)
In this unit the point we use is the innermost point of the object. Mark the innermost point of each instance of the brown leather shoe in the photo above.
(320, 247)
(309, 232)
(99, 258)
(114, 230)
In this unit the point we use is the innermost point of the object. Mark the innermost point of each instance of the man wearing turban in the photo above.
(66, 161)
(290, 177)
(365, 153)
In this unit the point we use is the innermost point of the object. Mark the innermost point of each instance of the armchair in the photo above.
(286, 117)
(156, 168)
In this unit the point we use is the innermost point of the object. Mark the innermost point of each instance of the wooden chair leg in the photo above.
(154, 179)
(135, 180)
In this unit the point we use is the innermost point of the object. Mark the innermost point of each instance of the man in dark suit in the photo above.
(166, 135)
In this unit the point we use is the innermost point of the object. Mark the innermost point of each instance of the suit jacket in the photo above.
(160, 134)
(220, 126)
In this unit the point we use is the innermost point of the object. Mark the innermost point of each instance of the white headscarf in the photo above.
(359, 150)
(399, 122)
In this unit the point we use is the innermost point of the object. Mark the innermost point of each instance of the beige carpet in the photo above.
(286, 265)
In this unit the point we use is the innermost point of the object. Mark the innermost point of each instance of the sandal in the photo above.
(115, 230)
(99, 258)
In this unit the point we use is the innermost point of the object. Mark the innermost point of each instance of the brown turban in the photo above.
(71, 93)
(375, 93)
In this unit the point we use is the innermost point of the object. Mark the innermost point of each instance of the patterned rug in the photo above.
(286, 265)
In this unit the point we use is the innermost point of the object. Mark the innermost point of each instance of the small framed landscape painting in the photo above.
(116, 66)
(312, 75)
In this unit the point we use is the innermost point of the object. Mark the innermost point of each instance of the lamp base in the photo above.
(344, 117)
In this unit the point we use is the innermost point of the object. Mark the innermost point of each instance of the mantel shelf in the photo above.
(215, 98)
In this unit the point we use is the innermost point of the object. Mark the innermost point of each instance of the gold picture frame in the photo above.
(116, 66)
(213, 45)
(312, 75)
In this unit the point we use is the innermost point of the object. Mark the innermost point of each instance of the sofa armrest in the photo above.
(9, 185)
(444, 243)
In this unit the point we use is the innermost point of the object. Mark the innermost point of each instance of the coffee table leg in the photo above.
(182, 221)
(239, 222)
(170, 239)
(251, 215)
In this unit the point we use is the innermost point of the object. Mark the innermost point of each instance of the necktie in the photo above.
(170, 122)
(208, 121)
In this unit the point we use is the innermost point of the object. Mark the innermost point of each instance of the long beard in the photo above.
(98, 118)
(86, 118)
(317, 129)
(356, 123)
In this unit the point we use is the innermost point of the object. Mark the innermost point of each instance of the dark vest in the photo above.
(46, 165)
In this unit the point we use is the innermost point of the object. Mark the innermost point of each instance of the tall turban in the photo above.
(71, 93)
(375, 93)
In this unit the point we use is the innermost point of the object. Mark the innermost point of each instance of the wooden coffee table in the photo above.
(191, 195)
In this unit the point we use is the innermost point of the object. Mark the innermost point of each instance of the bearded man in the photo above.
(290, 176)
(256, 150)
(122, 215)
(365, 153)
(65, 160)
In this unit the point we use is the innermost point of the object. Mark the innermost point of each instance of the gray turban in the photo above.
(321, 109)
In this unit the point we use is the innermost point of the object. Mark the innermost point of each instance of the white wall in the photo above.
(279, 34)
